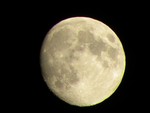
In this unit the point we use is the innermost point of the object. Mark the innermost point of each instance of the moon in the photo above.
(82, 61)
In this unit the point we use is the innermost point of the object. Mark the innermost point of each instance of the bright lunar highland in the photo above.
(82, 61)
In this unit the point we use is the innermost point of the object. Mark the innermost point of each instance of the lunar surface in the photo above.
(82, 61)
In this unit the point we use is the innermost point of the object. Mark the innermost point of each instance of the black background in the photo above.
(28, 24)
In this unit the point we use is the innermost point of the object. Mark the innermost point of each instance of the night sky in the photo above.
(31, 22)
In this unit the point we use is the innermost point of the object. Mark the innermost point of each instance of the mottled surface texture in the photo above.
(82, 61)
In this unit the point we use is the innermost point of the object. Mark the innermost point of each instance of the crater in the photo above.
(59, 84)
(68, 75)
(97, 47)
(71, 56)
(113, 52)
(85, 37)
(59, 40)
(73, 78)
(105, 64)
(80, 48)
(53, 70)
(111, 38)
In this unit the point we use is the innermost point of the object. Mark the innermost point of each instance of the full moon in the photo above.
(82, 61)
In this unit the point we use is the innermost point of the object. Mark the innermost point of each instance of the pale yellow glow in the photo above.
(82, 61)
